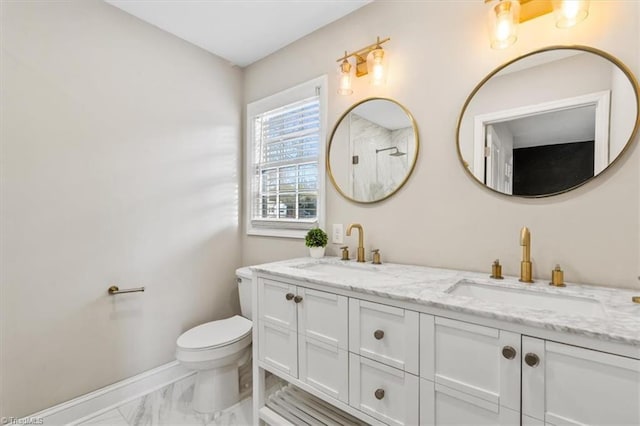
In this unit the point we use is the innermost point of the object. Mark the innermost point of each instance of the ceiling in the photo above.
(565, 126)
(385, 114)
(240, 31)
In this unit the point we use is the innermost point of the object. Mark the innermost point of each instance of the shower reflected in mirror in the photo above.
(396, 153)
(372, 150)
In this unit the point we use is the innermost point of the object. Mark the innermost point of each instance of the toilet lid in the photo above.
(215, 333)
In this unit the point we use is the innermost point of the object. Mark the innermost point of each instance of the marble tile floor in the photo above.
(171, 406)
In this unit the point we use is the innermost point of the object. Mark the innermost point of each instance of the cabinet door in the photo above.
(440, 405)
(384, 333)
(276, 303)
(323, 316)
(386, 393)
(563, 384)
(278, 347)
(324, 367)
(481, 362)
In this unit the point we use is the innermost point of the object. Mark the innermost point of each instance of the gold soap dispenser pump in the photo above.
(496, 270)
(557, 277)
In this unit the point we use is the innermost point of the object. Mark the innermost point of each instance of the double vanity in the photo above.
(399, 344)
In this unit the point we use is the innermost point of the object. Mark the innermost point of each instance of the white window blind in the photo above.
(285, 170)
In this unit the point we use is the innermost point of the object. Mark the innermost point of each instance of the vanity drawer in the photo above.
(384, 333)
(440, 405)
(386, 393)
(479, 361)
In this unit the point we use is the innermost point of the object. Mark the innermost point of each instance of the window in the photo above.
(285, 161)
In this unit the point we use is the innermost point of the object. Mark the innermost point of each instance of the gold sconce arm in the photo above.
(531, 9)
(363, 51)
(361, 56)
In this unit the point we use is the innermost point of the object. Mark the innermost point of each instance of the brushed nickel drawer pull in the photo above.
(379, 393)
(378, 334)
(509, 352)
(289, 296)
(532, 360)
(297, 299)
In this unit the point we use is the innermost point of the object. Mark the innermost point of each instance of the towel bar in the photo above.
(114, 289)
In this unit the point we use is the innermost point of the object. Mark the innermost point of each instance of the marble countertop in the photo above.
(616, 318)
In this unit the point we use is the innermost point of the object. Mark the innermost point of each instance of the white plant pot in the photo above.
(316, 252)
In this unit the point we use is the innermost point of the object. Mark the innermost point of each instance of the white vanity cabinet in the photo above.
(401, 363)
(569, 385)
(303, 334)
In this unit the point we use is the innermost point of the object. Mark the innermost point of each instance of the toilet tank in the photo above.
(243, 276)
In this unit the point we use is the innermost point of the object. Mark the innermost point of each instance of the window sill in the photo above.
(278, 233)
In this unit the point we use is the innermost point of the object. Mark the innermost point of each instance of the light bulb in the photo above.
(570, 9)
(570, 12)
(344, 78)
(377, 68)
(503, 27)
(503, 23)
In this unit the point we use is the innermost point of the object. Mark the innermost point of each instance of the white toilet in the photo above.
(215, 350)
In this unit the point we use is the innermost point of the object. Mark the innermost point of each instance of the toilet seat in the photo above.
(215, 334)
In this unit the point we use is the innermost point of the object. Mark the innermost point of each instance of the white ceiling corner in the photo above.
(240, 31)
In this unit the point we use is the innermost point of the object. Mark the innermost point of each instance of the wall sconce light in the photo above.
(570, 12)
(505, 15)
(344, 77)
(369, 60)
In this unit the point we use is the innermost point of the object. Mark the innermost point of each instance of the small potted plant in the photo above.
(316, 240)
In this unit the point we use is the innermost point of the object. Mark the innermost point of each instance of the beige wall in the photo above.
(438, 52)
(120, 164)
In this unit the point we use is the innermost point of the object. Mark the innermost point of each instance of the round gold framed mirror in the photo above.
(549, 121)
(372, 150)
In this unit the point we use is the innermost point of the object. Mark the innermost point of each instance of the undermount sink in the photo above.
(342, 270)
(529, 299)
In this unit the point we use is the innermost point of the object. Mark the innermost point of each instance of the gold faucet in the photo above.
(525, 265)
(360, 239)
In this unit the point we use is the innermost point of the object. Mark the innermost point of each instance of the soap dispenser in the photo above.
(496, 270)
(376, 257)
(557, 277)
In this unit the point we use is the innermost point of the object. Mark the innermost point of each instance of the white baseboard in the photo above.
(109, 397)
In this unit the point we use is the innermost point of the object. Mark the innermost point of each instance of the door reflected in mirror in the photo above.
(372, 150)
(548, 122)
